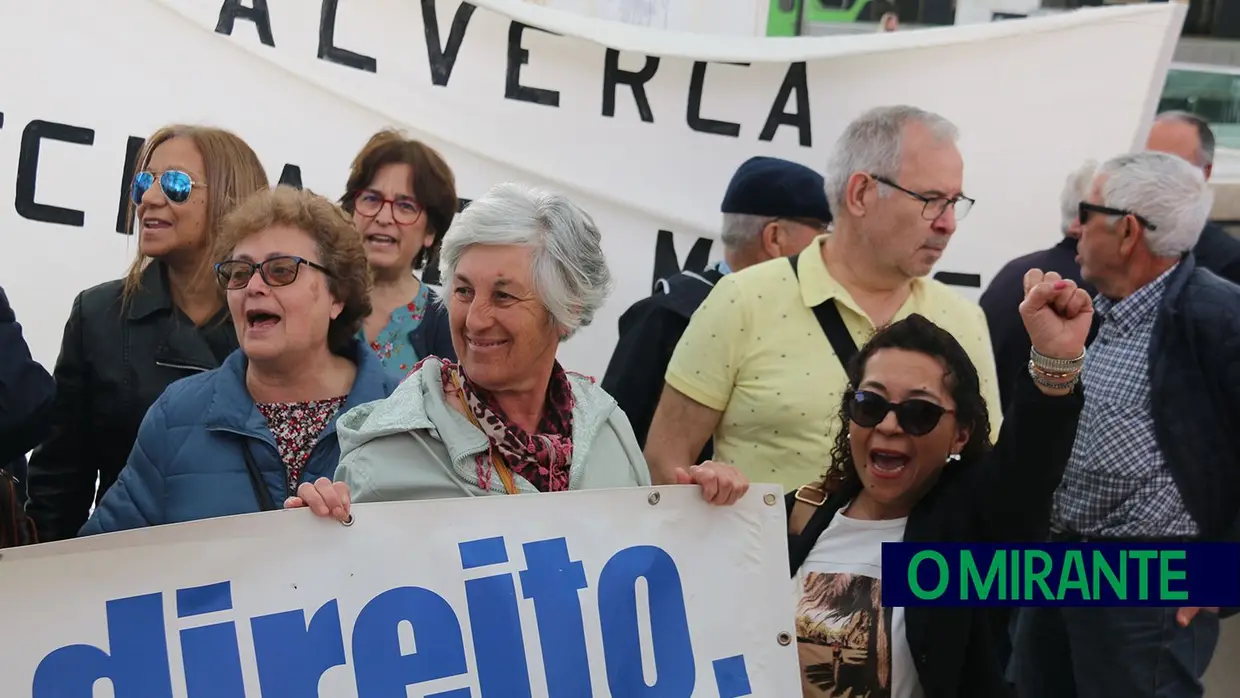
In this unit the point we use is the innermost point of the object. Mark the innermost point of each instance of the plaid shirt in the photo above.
(1117, 484)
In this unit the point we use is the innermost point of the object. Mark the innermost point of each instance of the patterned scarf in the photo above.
(542, 458)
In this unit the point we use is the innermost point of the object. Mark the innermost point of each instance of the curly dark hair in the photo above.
(914, 333)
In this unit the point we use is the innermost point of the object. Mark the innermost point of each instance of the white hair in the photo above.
(742, 229)
(873, 144)
(570, 272)
(1075, 190)
(1165, 190)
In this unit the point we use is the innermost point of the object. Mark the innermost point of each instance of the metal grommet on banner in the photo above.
(653, 498)
(784, 639)
(348, 521)
(769, 499)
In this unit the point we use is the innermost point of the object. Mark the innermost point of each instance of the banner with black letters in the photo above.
(642, 127)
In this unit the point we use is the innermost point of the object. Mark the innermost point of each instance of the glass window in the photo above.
(1210, 92)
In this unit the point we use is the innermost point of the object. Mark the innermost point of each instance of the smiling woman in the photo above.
(129, 339)
(242, 438)
(524, 270)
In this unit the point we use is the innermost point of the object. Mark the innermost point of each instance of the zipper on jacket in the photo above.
(183, 367)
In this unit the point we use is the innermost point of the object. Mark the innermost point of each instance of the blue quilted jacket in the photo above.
(188, 462)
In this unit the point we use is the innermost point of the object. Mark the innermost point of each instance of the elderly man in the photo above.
(1001, 300)
(772, 208)
(1158, 446)
(760, 366)
(1190, 137)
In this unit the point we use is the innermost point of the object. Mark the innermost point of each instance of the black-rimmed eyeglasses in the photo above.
(1085, 209)
(933, 206)
(235, 274)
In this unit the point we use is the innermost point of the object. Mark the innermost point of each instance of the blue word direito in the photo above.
(292, 653)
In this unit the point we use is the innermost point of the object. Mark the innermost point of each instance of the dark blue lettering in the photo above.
(137, 666)
(669, 625)
(382, 670)
(552, 579)
(292, 656)
(210, 653)
(495, 622)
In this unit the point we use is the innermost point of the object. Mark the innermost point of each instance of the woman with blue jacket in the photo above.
(241, 438)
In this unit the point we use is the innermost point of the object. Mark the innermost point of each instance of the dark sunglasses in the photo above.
(916, 417)
(1085, 209)
(175, 184)
(235, 274)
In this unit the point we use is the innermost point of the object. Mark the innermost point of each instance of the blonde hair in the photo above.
(233, 172)
(339, 247)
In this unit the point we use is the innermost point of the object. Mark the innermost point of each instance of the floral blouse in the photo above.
(392, 345)
(297, 426)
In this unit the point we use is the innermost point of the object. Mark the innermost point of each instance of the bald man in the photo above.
(1190, 137)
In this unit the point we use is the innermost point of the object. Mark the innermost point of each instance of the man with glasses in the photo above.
(1158, 446)
(760, 367)
(772, 208)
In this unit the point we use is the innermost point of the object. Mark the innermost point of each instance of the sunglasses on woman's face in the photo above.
(175, 184)
(916, 417)
(235, 274)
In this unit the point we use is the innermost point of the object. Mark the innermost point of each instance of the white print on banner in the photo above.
(511, 615)
(642, 128)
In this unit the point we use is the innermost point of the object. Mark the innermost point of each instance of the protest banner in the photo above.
(623, 593)
(642, 127)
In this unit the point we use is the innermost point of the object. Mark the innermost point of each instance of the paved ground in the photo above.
(1223, 679)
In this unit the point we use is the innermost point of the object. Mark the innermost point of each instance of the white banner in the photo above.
(622, 593)
(644, 128)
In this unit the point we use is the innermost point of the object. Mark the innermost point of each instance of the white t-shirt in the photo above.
(848, 643)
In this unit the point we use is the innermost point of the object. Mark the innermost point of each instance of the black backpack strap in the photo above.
(832, 324)
(261, 492)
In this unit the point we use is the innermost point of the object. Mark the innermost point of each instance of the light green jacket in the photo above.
(413, 445)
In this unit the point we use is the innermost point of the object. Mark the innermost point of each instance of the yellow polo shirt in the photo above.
(755, 352)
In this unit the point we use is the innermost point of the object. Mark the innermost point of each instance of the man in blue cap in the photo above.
(772, 208)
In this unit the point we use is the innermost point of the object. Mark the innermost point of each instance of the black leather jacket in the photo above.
(115, 360)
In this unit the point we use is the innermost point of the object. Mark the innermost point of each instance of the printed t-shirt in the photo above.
(849, 645)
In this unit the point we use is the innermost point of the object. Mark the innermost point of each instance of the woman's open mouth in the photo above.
(887, 464)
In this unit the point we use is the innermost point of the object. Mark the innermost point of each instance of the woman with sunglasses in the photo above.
(914, 462)
(127, 340)
(242, 438)
(402, 196)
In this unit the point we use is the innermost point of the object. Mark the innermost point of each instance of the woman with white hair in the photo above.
(523, 270)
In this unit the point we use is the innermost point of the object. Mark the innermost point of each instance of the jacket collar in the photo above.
(233, 409)
(1177, 281)
(153, 295)
(419, 403)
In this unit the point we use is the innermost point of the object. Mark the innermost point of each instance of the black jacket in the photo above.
(115, 360)
(1001, 303)
(27, 392)
(649, 332)
(1194, 373)
(1004, 498)
(1219, 252)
